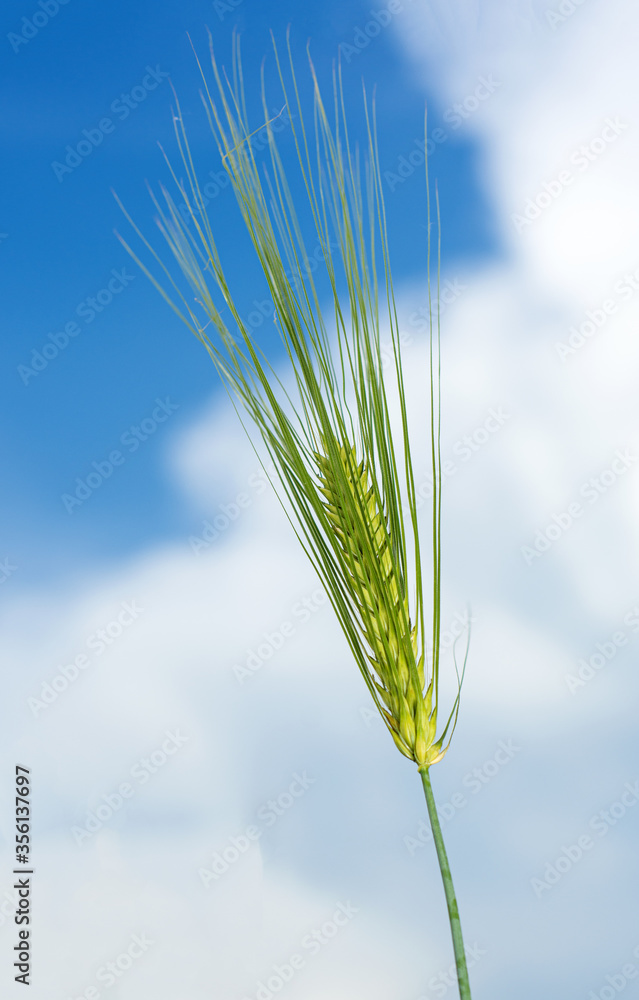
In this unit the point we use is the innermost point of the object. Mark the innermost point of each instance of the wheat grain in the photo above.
(362, 530)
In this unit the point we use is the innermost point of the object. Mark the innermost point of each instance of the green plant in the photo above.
(343, 460)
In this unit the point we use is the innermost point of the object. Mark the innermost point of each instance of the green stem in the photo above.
(451, 899)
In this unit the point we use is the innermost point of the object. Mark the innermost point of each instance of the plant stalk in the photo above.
(449, 890)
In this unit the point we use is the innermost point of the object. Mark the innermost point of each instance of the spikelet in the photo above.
(362, 535)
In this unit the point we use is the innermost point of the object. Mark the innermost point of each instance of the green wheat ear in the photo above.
(398, 667)
(345, 469)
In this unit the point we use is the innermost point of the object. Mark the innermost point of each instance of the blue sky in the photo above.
(131, 628)
(60, 249)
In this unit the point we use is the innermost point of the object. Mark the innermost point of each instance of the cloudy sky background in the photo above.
(200, 610)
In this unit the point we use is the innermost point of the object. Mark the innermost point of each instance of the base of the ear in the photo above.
(434, 759)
